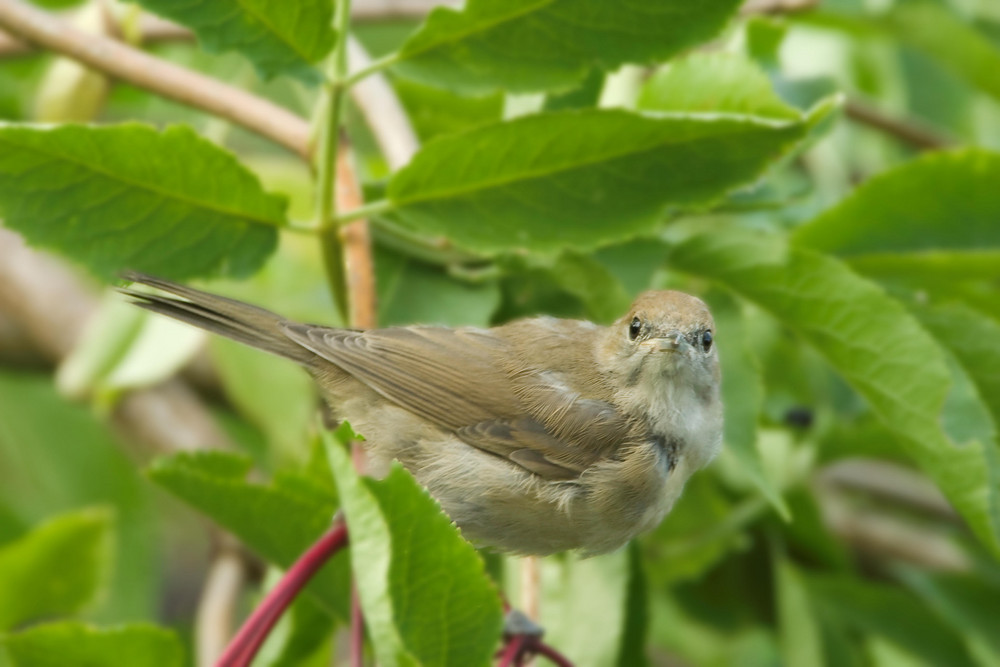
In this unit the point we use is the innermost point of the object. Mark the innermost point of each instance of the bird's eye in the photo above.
(706, 340)
(634, 328)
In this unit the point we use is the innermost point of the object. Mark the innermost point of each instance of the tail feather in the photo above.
(227, 317)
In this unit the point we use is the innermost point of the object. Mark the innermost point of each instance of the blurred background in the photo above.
(836, 550)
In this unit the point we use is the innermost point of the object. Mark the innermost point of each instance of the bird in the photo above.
(537, 436)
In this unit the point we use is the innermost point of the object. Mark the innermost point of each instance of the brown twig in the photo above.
(907, 131)
(217, 606)
(531, 577)
(884, 536)
(152, 30)
(16, 346)
(359, 267)
(890, 482)
(777, 6)
(159, 76)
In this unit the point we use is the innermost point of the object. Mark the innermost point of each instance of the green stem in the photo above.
(366, 211)
(376, 65)
(326, 196)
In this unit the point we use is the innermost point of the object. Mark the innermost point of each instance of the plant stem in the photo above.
(553, 655)
(245, 644)
(326, 192)
(376, 65)
(365, 211)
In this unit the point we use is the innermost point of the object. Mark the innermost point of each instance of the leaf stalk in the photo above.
(329, 145)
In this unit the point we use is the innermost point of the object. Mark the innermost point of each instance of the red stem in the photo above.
(555, 656)
(512, 650)
(245, 644)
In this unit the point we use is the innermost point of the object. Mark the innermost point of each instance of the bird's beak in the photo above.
(673, 341)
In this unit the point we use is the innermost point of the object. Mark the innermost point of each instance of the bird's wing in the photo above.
(447, 376)
(464, 380)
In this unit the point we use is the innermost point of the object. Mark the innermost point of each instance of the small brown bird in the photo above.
(538, 436)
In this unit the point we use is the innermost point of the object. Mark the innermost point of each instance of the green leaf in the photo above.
(849, 321)
(61, 644)
(965, 603)
(593, 612)
(720, 81)
(743, 397)
(306, 637)
(701, 530)
(937, 31)
(801, 642)
(937, 213)
(434, 111)
(972, 337)
(55, 456)
(538, 45)
(273, 393)
(59, 567)
(425, 594)
(892, 613)
(128, 196)
(279, 521)
(278, 37)
(590, 281)
(411, 292)
(580, 179)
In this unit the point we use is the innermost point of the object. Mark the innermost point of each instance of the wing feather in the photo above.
(480, 386)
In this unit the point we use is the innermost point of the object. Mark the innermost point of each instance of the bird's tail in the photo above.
(230, 318)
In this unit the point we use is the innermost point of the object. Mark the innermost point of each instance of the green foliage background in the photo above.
(825, 175)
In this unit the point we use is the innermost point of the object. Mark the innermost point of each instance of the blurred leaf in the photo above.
(742, 394)
(801, 642)
(633, 263)
(274, 394)
(937, 31)
(278, 521)
(849, 320)
(62, 644)
(972, 337)
(938, 212)
(765, 36)
(966, 604)
(434, 111)
(70, 91)
(538, 45)
(889, 612)
(585, 94)
(595, 608)
(308, 630)
(579, 179)
(124, 347)
(56, 457)
(425, 594)
(719, 82)
(278, 37)
(57, 568)
(11, 525)
(702, 528)
(128, 196)
(810, 534)
(588, 280)
(411, 292)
